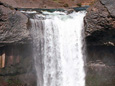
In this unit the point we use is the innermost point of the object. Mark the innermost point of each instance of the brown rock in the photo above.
(110, 5)
(45, 3)
(100, 24)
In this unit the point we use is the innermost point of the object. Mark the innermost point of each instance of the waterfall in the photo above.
(58, 51)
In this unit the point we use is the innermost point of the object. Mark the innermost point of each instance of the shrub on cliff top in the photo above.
(79, 4)
(66, 5)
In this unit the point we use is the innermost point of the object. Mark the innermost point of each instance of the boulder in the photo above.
(13, 26)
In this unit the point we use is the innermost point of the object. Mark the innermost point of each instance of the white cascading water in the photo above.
(58, 48)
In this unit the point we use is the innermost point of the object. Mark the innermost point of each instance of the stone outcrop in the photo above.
(100, 23)
(13, 25)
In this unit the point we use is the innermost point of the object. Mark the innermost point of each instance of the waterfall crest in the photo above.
(58, 53)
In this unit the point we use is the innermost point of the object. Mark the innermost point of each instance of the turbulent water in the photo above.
(58, 51)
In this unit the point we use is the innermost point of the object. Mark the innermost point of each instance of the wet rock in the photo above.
(100, 66)
(69, 10)
(19, 66)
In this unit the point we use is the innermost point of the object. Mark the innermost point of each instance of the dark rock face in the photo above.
(100, 66)
(19, 66)
(100, 23)
(13, 26)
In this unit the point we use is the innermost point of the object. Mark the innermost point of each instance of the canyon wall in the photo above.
(15, 42)
(100, 23)
(16, 62)
(13, 25)
(100, 41)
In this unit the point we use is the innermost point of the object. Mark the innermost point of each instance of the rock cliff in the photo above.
(99, 36)
(16, 62)
(100, 41)
(100, 23)
(13, 25)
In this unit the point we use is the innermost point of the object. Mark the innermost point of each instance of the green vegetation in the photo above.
(12, 82)
(9, 81)
(92, 80)
(54, 0)
(61, 2)
(79, 4)
(92, 3)
(66, 5)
